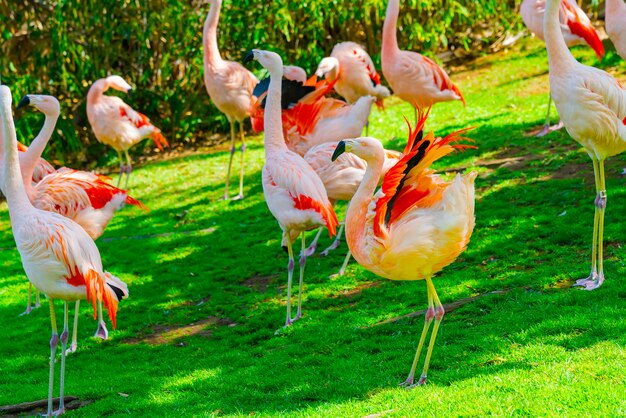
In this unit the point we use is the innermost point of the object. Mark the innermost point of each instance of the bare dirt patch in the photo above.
(170, 334)
(259, 283)
(38, 408)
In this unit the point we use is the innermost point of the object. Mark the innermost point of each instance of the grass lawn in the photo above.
(207, 287)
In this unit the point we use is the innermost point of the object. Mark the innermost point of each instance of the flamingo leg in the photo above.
(336, 242)
(54, 342)
(439, 312)
(37, 300)
(428, 319)
(346, 260)
(29, 308)
(290, 268)
(64, 337)
(122, 168)
(102, 331)
(74, 344)
(230, 162)
(300, 285)
(243, 150)
(596, 277)
(129, 168)
(546, 127)
(311, 250)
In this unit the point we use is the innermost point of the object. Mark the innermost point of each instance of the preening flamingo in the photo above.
(85, 197)
(230, 87)
(117, 124)
(341, 179)
(592, 105)
(294, 193)
(576, 28)
(294, 73)
(309, 117)
(416, 224)
(615, 23)
(58, 256)
(354, 73)
(413, 77)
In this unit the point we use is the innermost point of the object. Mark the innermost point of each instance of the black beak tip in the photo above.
(24, 102)
(341, 148)
(249, 56)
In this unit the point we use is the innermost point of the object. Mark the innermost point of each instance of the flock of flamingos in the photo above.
(411, 228)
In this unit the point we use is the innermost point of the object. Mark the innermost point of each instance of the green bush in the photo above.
(61, 47)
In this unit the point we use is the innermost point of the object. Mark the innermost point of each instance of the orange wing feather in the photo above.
(583, 29)
(303, 202)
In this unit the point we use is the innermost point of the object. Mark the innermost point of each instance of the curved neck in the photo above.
(358, 208)
(613, 6)
(35, 150)
(274, 139)
(96, 90)
(14, 190)
(558, 53)
(209, 35)
(390, 40)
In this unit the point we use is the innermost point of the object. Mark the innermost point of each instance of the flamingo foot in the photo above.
(592, 282)
(547, 129)
(238, 197)
(311, 250)
(72, 349)
(28, 310)
(102, 331)
(332, 246)
(407, 383)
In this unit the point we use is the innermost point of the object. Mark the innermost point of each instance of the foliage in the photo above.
(207, 288)
(61, 47)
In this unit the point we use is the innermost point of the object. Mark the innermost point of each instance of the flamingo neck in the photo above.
(14, 190)
(358, 208)
(558, 53)
(614, 6)
(212, 55)
(96, 90)
(274, 139)
(390, 40)
(35, 150)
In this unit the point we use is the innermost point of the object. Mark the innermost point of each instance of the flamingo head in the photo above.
(48, 105)
(294, 73)
(327, 65)
(118, 83)
(271, 61)
(365, 147)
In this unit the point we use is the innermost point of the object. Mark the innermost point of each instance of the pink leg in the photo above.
(54, 342)
(547, 128)
(302, 265)
(102, 331)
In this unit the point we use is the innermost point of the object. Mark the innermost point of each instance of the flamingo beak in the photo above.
(341, 148)
(24, 102)
(249, 56)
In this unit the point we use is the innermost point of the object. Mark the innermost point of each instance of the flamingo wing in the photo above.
(579, 25)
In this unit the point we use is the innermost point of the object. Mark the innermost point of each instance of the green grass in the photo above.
(542, 348)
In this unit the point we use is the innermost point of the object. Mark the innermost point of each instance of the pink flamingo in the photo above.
(58, 256)
(294, 73)
(592, 106)
(117, 124)
(294, 193)
(577, 30)
(413, 77)
(416, 224)
(230, 87)
(42, 167)
(82, 196)
(354, 71)
(341, 179)
(615, 22)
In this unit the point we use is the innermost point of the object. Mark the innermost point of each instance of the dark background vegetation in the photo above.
(61, 47)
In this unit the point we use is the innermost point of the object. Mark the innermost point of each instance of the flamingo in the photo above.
(230, 87)
(117, 124)
(592, 106)
(413, 77)
(294, 193)
(615, 22)
(58, 256)
(577, 30)
(42, 167)
(82, 196)
(354, 71)
(294, 73)
(341, 179)
(416, 224)
(309, 117)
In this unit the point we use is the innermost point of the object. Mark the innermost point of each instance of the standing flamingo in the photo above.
(354, 71)
(230, 87)
(58, 256)
(85, 197)
(577, 30)
(416, 224)
(592, 106)
(117, 124)
(413, 77)
(341, 180)
(294, 193)
(615, 22)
